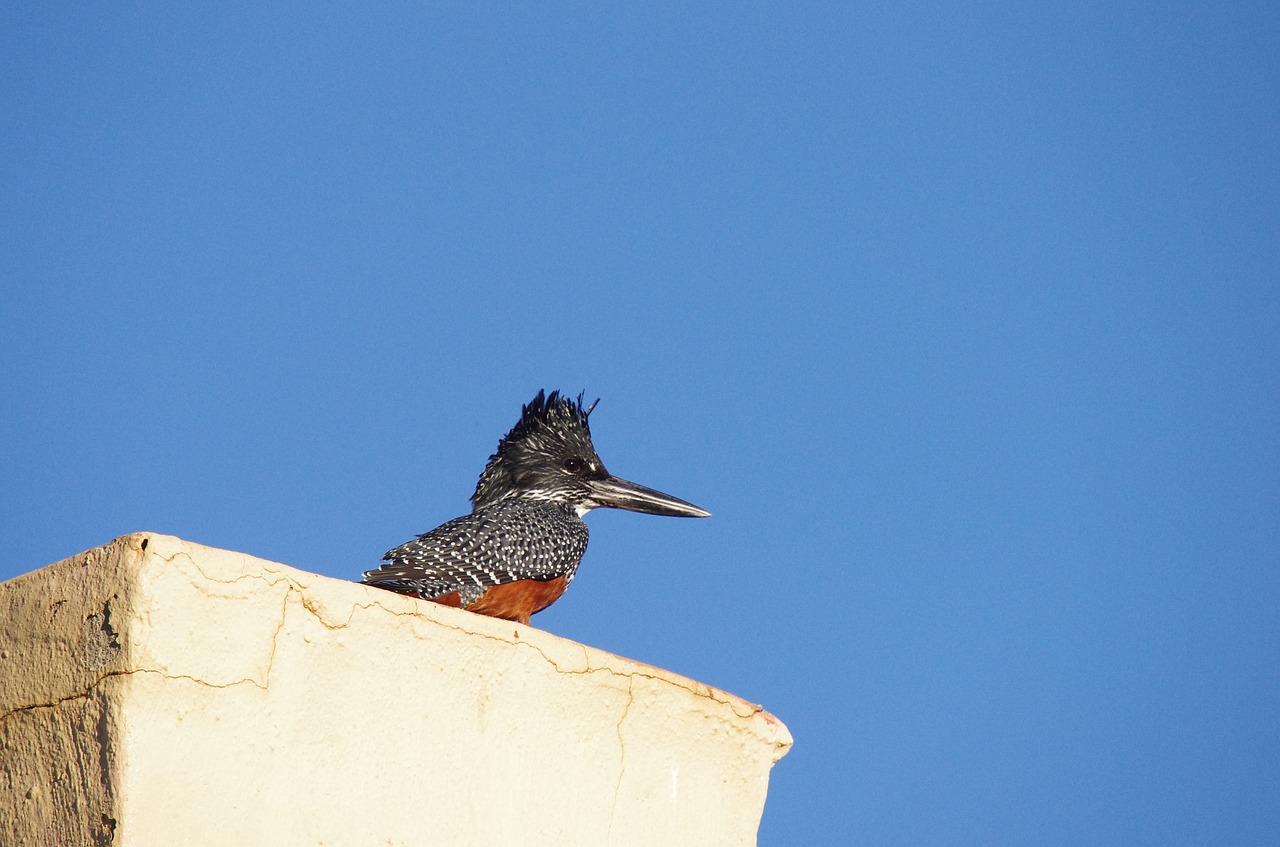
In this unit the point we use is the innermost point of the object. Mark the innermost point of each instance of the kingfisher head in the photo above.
(548, 455)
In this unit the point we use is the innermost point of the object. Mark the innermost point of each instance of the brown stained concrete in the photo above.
(157, 692)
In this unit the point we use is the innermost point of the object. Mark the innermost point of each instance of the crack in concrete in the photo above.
(275, 639)
(84, 695)
(697, 689)
(622, 757)
(197, 680)
(261, 576)
(273, 578)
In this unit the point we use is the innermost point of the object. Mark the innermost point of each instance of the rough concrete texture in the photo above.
(156, 692)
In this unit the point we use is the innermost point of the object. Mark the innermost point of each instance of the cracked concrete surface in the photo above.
(153, 691)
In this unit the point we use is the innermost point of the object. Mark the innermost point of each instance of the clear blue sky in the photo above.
(963, 320)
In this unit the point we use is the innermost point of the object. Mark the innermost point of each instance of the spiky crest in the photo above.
(530, 459)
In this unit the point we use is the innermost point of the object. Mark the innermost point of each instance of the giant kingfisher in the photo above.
(518, 549)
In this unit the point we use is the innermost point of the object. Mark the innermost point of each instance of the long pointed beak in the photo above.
(620, 494)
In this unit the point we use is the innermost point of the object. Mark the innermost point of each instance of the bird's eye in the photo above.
(573, 464)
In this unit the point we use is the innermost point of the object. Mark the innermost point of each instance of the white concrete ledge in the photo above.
(157, 692)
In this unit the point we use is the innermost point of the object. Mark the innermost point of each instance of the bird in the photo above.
(520, 546)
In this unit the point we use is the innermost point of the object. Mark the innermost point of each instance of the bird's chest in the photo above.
(543, 541)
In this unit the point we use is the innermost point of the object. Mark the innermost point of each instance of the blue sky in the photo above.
(963, 321)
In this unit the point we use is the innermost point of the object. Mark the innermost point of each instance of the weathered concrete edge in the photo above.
(84, 612)
(57, 692)
(81, 653)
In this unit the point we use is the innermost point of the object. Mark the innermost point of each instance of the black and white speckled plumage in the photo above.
(512, 539)
(526, 520)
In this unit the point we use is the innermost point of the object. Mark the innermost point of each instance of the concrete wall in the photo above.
(156, 692)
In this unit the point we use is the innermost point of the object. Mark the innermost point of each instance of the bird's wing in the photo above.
(505, 542)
